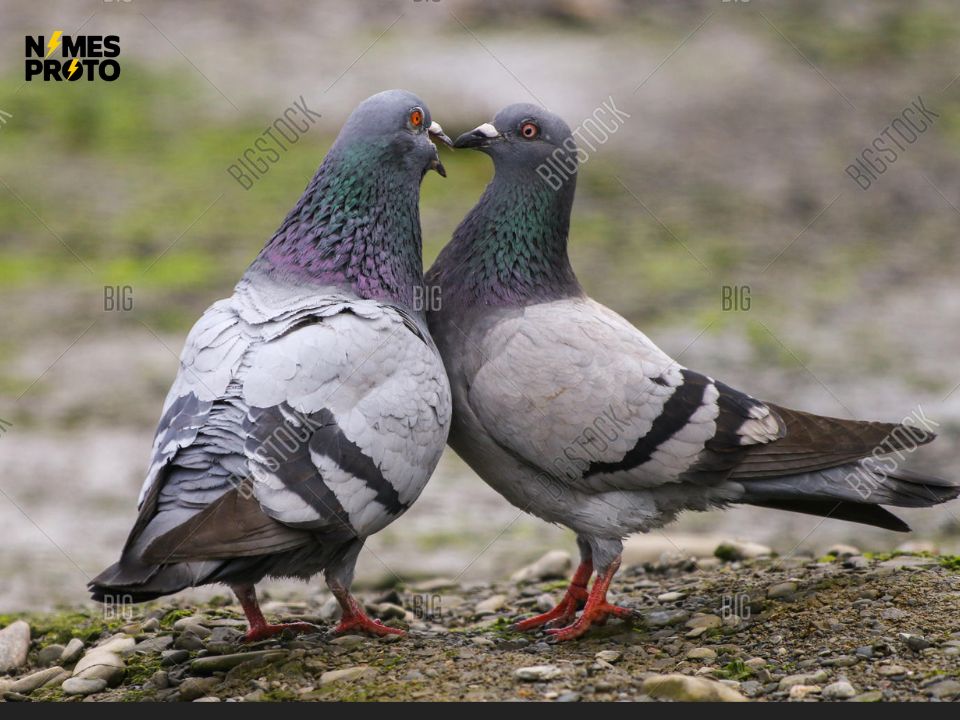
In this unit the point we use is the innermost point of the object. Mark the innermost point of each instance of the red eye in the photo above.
(416, 117)
(529, 130)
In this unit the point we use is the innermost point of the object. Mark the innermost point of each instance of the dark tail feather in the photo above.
(851, 492)
(123, 583)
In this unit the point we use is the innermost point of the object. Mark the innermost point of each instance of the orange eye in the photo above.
(416, 117)
(529, 130)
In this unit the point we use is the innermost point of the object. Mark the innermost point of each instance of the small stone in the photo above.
(208, 698)
(199, 630)
(732, 550)
(909, 561)
(893, 614)
(173, 657)
(842, 661)
(188, 641)
(568, 696)
(892, 670)
(31, 682)
(14, 646)
(491, 605)
(663, 618)
(546, 602)
(151, 625)
(481, 641)
(82, 686)
(218, 663)
(193, 688)
(609, 656)
(672, 596)
(160, 680)
(57, 680)
(842, 551)
(537, 673)
(856, 562)
(555, 564)
(183, 623)
(869, 696)
(704, 621)
(72, 652)
(755, 663)
(153, 645)
(50, 654)
(782, 590)
(919, 546)
(689, 689)
(944, 690)
(702, 653)
(101, 664)
(390, 611)
(840, 690)
(346, 674)
(330, 611)
(799, 692)
(119, 644)
(814, 678)
(349, 640)
(917, 643)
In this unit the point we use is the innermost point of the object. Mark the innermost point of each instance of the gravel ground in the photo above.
(737, 626)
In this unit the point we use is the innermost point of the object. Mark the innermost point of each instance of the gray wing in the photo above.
(572, 389)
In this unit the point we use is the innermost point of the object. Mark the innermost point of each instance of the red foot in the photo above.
(566, 609)
(596, 611)
(264, 631)
(364, 623)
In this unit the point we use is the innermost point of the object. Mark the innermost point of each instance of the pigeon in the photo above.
(311, 406)
(575, 416)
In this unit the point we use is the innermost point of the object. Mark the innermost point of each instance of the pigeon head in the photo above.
(527, 139)
(397, 124)
(357, 224)
(511, 249)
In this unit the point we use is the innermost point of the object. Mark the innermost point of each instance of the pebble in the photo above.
(689, 689)
(101, 664)
(194, 688)
(840, 690)
(545, 602)
(481, 641)
(869, 696)
(119, 644)
(893, 614)
(856, 562)
(841, 661)
(799, 692)
(199, 630)
(731, 550)
(151, 625)
(218, 663)
(704, 621)
(390, 611)
(568, 696)
(72, 652)
(50, 654)
(82, 686)
(944, 690)
(188, 641)
(31, 682)
(609, 656)
(537, 673)
(672, 596)
(346, 674)
(154, 645)
(814, 678)
(348, 640)
(663, 618)
(173, 657)
(782, 590)
(556, 564)
(702, 653)
(916, 643)
(892, 670)
(183, 623)
(842, 551)
(491, 605)
(14, 646)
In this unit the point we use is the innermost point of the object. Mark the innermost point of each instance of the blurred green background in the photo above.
(729, 172)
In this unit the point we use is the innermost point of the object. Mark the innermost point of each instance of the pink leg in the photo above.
(597, 609)
(567, 608)
(355, 619)
(260, 629)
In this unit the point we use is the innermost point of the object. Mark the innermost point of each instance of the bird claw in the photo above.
(366, 624)
(589, 618)
(263, 632)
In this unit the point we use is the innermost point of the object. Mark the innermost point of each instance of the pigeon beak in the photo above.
(479, 137)
(437, 132)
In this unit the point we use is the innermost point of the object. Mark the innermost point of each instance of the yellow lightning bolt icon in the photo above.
(73, 68)
(54, 43)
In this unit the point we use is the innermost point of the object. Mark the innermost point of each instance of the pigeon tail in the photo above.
(853, 491)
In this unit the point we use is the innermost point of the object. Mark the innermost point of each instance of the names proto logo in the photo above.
(72, 57)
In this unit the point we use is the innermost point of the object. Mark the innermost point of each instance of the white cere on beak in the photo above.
(435, 128)
(487, 130)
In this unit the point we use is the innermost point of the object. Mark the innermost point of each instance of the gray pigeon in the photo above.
(311, 406)
(574, 415)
